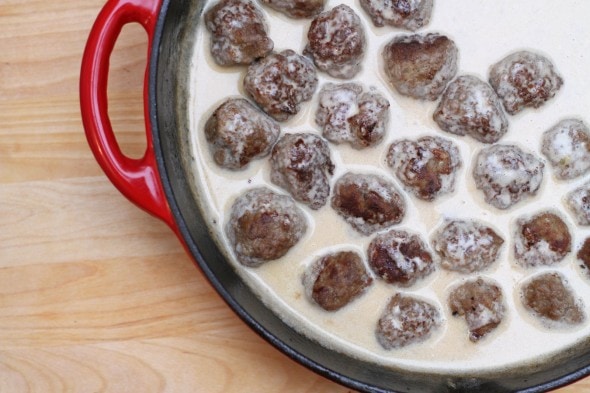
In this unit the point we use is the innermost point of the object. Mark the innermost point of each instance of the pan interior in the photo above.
(170, 93)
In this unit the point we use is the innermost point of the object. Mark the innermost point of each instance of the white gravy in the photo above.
(484, 31)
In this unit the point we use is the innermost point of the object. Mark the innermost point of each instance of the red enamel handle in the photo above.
(137, 179)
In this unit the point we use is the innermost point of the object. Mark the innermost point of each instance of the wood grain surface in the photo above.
(96, 295)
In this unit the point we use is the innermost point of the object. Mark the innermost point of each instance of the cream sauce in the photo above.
(485, 32)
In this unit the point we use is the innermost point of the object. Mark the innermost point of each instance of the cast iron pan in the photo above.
(158, 183)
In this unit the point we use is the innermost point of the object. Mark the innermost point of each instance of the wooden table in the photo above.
(96, 295)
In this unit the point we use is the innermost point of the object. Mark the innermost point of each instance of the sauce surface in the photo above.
(484, 32)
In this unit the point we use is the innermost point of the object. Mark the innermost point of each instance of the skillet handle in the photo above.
(137, 179)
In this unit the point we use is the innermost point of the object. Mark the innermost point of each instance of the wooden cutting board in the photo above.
(96, 295)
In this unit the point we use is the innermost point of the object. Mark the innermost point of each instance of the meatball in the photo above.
(347, 115)
(400, 258)
(506, 175)
(548, 297)
(297, 9)
(337, 42)
(238, 133)
(481, 303)
(578, 202)
(584, 254)
(280, 82)
(469, 106)
(300, 163)
(368, 203)
(467, 246)
(427, 167)
(543, 239)
(239, 34)
(406, 320)
(420, 66)
(524, 79)
(403, 14)
(336, 279)
(567, 147)
(263, 226)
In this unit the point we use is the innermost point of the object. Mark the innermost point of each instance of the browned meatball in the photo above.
(404, 14)
(578, 201)
(337, 42)
(280, 82)
(406, 320)
(506, 175)
(427, 167)
(543, 239)
(336, 279)
(550, 299)
(469, 106)
(300, 163)
(239, 34)
(524, 79)
(297, 9)
(467, 246)
(263, 226)
(347, 115)
(420, 66)
(400, 258)
(238, 133)
(584, 254)
(368, 203)
(481, 303)
(567, 147)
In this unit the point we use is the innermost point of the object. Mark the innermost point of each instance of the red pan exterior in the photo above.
(158, 183)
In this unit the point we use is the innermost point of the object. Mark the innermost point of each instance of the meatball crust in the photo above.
(543, 239)
(584, 255)
(548, 297)
(239, 34)
(467, 246)
(578, 202)
(524, 80)
(337, 42)
(238, 132)
(263, 226)
(406, 320)
(404, 14)
(369, 125)
(469, 106)
(420, 66)
(481, 303)
(427, 167)
(400, 258)
(567, 147)
(280, 82)
(297, 9)
(347, 115)
(300, 163)
(506, 175)
(336, 279)
(367, 202)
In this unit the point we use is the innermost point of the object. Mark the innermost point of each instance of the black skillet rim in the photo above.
(350, 372)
